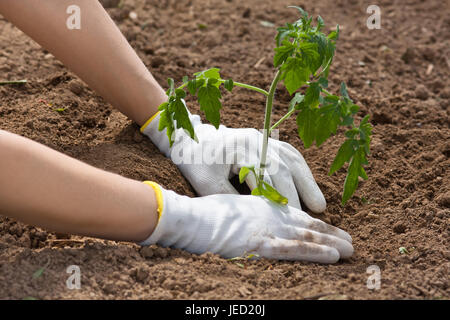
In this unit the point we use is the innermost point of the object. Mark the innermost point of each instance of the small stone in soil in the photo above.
(147, 252)
(421, 92)
(76, 87)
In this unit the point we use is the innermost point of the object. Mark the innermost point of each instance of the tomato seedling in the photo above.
(303, 56)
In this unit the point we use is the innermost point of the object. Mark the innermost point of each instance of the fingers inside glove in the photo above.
(283, 249)
(304, 181)
(344, 247)
(303, 220)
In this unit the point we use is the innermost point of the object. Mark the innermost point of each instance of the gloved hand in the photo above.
(234, 225)
(220, 153)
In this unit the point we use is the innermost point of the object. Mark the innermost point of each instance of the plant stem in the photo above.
(238, 84)
(287, 115)
(247, 86)
(13, 82)
(267, 118)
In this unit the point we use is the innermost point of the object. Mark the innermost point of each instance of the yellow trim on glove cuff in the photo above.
(159, 196)
(148, 122)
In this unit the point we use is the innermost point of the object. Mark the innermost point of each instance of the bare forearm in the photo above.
(97, 52)
(43, 187)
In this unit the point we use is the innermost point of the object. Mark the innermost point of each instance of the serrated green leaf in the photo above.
(295, 74)
(327, 123)
(354, 109)
(323, 82)
(306, 124)
(352, 133)
(192, 87)
(213, 73)
(283, 32)
(229, 84)
(354, 172)
(320, 22)
(282, 53)
(200, 83)
(209, 99)
(344, 154)
(180, 93)
(163, 106)
(181, 116)
(310, 55)
(312, 95)
(344, 91)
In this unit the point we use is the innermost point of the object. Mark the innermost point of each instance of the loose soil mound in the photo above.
(398, 74)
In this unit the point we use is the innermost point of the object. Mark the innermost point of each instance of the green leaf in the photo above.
(283, 32)
(165, 122)
(282, 53)
(185, 79)
(354, 172)
(310, 56)
(334, 35)
(192, 87)
(295, 74)
(180, 93)
(209, 99)
(163, 106)
(181, 116)
(320, 23)
(257, 191)
(343, 90)
(302, 12)
(312, 95)
(323, 82)
(306, 124)
(171, 83)
(272, 194)
(229, 84)
(298, 98)
(327, 123)
(345, 152)
(213, 73)
(243, 173)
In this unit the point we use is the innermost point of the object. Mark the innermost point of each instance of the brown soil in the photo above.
(405, 202)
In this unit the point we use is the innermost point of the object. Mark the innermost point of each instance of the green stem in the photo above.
(247, 86)
(267, 118)
(13, 82)
(238, 84)
(287, 115)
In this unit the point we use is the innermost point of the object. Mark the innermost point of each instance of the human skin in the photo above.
(45, 188)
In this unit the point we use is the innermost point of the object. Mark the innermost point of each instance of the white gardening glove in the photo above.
(220, 153)
(235, 225)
